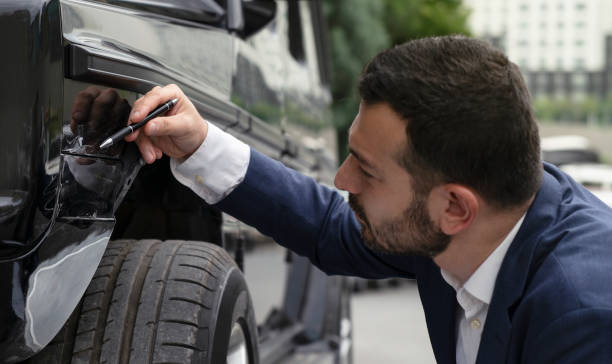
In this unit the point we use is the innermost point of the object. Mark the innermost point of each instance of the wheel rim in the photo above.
(237, 352)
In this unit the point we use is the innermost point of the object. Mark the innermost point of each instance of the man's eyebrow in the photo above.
(362, 160)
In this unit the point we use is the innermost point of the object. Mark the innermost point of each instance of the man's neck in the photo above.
(469, 249)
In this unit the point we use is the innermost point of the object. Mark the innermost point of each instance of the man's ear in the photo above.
(455, 207)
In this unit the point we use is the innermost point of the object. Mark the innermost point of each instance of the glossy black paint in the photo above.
(30, 119)
(58, 193)
(75, 71)
(44, 286)
(40, 291)
(91, 114)
(201, 11)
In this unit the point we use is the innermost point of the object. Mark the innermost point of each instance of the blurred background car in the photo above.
(564, 149)
(597, 178)
(575, 155)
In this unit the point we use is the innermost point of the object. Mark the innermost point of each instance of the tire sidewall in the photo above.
(234, 306)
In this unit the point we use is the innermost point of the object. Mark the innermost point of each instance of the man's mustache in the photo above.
(359, 211)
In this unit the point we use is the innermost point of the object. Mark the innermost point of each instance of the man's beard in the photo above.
(411, 233)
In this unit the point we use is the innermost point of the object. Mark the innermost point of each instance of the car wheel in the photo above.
(160, 301)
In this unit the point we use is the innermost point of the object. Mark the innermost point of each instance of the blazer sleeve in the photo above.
(309, 219)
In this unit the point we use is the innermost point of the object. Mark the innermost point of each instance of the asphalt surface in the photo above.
(388, 323)
(389, 327)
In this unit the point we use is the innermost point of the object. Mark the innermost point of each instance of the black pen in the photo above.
(115, 138)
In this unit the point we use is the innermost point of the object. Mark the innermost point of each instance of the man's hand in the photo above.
(178, 134)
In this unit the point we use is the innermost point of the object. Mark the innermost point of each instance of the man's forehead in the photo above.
(376, 134)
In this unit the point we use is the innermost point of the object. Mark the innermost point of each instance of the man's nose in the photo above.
(342, 181)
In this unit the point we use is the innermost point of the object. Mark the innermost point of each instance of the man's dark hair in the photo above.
(468, 112)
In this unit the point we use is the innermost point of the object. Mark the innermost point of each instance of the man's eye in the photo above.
(365, 173)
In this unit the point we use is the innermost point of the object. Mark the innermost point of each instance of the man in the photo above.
(512, 258)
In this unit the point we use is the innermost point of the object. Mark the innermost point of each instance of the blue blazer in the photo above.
(552, 301)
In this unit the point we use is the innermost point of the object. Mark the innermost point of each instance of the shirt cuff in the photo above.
(216, 167)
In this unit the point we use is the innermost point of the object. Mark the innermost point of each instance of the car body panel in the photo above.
(196, 54)
(31, 123)
(60, 194)
(59, 201)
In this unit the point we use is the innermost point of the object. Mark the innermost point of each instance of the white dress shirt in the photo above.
(220, 164)
(216, 167)
(474, 298)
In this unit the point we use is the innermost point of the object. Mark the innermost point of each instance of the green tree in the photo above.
(587, 109)
(359, 29)
(356, 34)
(423, 18)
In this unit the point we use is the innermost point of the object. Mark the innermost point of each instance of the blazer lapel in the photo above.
(516, 268)
(440, 306)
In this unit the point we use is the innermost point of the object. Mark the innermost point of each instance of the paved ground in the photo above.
(389, 326)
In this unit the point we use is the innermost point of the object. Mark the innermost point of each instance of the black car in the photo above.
(103, 259)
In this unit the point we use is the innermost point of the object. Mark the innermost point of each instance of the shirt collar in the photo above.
(482, 282)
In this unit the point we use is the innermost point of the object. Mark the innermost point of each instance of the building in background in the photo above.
(563, 47)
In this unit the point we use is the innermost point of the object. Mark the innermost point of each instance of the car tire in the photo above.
(156, 301)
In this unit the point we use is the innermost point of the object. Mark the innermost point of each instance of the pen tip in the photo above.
(107, 143)
(174, 101)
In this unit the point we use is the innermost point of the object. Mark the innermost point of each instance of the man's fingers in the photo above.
(147, 149)
(152, 99)
(164, 126)
(158, 152)
(132, 136)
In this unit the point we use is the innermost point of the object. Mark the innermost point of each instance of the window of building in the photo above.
(559, 63)
(542, 63)
(524, 7)
(579, 63)
(542, 80)
(559, 80)
(527, 79)
(579, 82)
(579, 42)
(560, 25)
(580, 6)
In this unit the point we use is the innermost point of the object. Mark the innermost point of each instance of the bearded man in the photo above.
(513, 259)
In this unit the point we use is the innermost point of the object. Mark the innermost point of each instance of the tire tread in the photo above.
(150, 301)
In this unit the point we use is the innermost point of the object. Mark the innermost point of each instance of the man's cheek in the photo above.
(375, 212)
